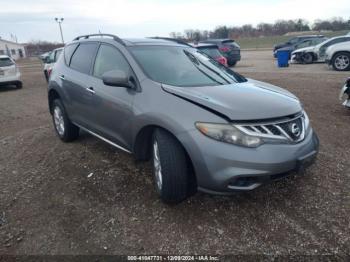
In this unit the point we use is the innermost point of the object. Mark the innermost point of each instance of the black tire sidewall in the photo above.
(175, 175)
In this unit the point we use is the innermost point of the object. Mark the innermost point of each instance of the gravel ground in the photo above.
(86, 197)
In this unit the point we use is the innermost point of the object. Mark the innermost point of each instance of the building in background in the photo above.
(12, 49)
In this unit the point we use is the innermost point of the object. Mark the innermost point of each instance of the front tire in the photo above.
(341, 61)
(19, 85)
(65, 129)
(308, 58)
(171, 168)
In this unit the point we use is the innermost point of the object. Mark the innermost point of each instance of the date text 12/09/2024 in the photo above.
(174, 258)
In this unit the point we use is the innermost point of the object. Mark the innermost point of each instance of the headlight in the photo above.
(306, 122)
(229, 134)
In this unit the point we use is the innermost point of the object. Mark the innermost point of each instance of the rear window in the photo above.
(68, 51)
(6, 62)
(210, 51)
(83, 57)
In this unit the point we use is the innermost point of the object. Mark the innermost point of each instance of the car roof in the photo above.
(309, 36)
(4, 56)
(137, 41)
(205, 45)
(217, 40)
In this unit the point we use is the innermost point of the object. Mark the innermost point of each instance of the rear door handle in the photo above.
(90, 90)
(62, 77)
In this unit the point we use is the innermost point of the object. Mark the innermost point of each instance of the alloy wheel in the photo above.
(59, 120)
(157, 166)
(341, 62)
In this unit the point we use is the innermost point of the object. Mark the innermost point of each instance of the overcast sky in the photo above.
(34, 20)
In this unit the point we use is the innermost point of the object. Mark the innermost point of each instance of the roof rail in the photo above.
(179, 41)
(116, 38)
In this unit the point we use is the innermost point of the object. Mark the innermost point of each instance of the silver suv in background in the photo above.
(50, 61)
(9, 72)
(202, 125)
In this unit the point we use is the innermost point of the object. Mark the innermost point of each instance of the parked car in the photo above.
(345, 94)
(9, 72)
(212, 51)
(338, 56)
(44, 56)
(50, 61)
(294, 41)
(316, 53)
(229, 48)
(166, 101)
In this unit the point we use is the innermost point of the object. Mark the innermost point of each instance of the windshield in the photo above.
(179, 66)
(5, 62)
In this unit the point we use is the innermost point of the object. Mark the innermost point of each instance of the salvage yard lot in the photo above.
(87, 197)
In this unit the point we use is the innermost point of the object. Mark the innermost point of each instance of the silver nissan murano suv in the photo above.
(203, 126)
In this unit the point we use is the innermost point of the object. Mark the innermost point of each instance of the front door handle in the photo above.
(90, 90)
(62, 77)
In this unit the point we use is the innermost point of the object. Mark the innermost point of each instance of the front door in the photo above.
(113, 105)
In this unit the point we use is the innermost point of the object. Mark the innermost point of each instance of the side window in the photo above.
(83, 57)
(58, 53)
(109, 58)
(68, 51)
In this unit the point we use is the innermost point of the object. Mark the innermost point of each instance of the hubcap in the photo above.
(342, 62)
(59, 121)
(157, 166)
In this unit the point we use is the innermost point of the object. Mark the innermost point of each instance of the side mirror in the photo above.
(117, 78)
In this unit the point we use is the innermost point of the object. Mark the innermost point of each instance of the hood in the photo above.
(251, 100)
(304, 49)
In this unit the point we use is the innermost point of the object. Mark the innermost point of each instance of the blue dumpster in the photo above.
(282, 57)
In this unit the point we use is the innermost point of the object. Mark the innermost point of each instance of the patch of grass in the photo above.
(270, 41)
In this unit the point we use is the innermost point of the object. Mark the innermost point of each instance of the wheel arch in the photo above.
(142, 148)
(53, 94)
(336, 53)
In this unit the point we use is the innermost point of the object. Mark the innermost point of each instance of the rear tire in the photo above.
(65, 129)
(231, 64)
(171, 168)
(341, 61)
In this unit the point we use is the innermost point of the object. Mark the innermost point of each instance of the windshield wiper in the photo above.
(196, 62)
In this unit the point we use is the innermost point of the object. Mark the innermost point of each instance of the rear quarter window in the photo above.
(68, 51)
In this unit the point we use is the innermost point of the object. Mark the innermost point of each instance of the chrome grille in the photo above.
(292, 130)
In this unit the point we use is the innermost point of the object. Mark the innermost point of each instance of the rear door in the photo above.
(113, 111)
(77, 84)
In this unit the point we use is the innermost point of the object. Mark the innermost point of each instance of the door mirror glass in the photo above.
(116, 78)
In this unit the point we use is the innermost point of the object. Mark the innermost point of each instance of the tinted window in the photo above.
(180, 66)
(293, 40)
(210, 51)
(83, 57)
(336, 41)
(109, 58)
(5, 62)
(58, 53)
(68, 51)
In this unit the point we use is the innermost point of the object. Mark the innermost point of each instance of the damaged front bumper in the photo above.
(345, 94)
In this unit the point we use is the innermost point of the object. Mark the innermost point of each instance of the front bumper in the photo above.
(345, 93)
(223, 168)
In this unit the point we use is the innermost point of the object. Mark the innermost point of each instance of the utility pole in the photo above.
(59, 21)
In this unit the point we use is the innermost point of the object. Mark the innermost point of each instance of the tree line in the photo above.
(280, 27)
